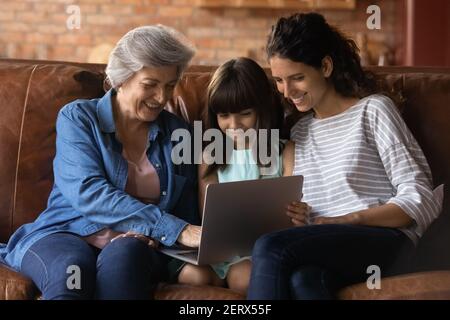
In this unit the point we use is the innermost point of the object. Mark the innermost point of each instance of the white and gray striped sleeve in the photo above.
(404, 162)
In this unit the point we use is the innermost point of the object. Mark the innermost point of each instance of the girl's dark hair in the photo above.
(240, 84)
(308, 38)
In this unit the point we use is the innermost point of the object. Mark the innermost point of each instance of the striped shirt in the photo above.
(362, 158)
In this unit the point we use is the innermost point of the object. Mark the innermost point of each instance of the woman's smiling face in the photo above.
(302, 84)
(144, 95)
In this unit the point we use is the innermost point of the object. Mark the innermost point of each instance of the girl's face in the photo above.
(230, 123)
(302, 84)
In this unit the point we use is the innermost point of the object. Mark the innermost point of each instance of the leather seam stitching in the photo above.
(20, 146)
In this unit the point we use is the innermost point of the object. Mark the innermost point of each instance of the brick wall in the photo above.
(37, 29)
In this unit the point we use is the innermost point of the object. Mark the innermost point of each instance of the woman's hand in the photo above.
(298, 212)
(147, 240)
(190, 236)
(345, 219)
(387, 215)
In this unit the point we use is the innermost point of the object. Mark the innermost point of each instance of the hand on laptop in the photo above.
(298, 212)
(147, 240)
(190, 236)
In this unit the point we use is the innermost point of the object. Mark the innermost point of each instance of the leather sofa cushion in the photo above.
(432, 285)
(167, 291)
(14, 286)
(34, 95)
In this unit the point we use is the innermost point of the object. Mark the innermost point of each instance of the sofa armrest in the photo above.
(15, 286)
(430, 285)
(167, 291)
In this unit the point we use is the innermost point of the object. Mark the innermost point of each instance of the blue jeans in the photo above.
(313, 262)
(124, 269)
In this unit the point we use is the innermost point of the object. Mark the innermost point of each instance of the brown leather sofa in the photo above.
(31, 93)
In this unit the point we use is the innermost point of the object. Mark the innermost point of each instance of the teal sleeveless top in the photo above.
(242, 166)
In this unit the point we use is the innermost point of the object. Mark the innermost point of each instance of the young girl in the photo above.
(240, 96)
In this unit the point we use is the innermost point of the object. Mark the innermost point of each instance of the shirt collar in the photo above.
(106, 117)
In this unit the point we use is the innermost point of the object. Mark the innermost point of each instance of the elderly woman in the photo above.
(116, 193)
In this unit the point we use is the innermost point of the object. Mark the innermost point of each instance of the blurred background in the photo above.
(413, 32)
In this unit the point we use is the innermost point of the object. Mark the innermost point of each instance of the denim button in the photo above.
(164, 193)
(157, 165)
(163, 238)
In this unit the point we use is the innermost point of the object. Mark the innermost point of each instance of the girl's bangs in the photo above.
(232, 96)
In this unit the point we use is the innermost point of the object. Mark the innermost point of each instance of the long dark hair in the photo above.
(240, 84)
(308, 38)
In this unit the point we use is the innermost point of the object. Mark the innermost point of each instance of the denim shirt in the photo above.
(90, 177)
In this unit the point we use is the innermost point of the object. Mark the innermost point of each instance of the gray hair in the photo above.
(148, 46)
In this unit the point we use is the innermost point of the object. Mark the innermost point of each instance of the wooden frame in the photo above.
(281, 4)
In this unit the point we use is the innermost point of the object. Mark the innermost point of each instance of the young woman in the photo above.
(366, 179)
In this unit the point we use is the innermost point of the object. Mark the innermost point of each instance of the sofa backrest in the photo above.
(32, 92)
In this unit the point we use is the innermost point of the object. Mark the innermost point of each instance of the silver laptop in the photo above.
(236, 214)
